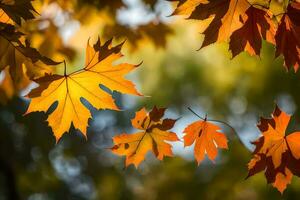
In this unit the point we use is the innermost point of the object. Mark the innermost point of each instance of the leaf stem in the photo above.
(196, 114)
(65, 68)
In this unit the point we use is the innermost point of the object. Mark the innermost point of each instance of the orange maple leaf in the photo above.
(226, 18)
(186, 7)
(207, 139)
(68, 90)
(287, 37)
(276, 154)
(257, 25)
(153, 137)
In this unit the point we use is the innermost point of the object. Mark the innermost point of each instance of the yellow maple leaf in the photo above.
(68, 90)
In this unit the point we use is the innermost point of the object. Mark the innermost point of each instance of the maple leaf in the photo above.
(153, 137)
(257, 25)
(276, 153)
(287, 37)
(24, 62)
(16, 10)
(207, 139)
(186, 7)
(68, 90)
(226, 18)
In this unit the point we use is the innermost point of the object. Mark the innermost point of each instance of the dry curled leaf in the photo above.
(69, 89)
(152, 137)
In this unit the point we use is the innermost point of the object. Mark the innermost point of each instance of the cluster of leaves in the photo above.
(25, 64)
(18, 59)
(245, 25)
(206, 136)
(19, 16)
(155, 30)
(276, 153)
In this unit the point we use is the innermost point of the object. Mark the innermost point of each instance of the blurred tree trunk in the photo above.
(10, 180)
